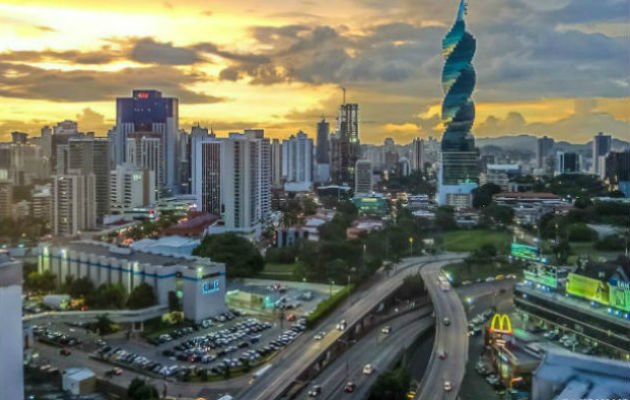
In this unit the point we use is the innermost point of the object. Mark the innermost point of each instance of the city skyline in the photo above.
(543, 69)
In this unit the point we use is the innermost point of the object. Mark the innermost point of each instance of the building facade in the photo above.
(297, 162)
(146, 111)
(91, 156)
(11, 339)
(363, 178)
(544, 145)
(568, 163)
(73, 204)
(601, 146)
(131, 187)
(345, 146)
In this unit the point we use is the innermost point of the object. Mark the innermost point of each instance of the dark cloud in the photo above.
(148, 51)
(211, 48)
(22, 81)
(45, 28)
(102, 56)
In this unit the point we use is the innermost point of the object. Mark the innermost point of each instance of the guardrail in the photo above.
(142, 314)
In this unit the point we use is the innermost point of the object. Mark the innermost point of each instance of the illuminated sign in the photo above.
(588, 288)
(525, 252)
(619, 294)
(542, 276)
(210, 287)
(501, 324)
(142, 95)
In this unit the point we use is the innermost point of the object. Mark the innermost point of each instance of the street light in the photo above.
(410, 246)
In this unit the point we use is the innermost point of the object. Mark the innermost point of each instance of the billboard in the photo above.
(588, 288)
(525, 252)
(619, 295)
(543, 276)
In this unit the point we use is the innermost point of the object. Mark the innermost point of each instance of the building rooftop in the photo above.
(129, 254)
(527, 195)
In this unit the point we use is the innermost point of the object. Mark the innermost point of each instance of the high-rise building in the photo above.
(568, 163)
(146, 111)
(363, 177)
(131, 186)
(91, 156)
(11, 339)
(27, 163)
(297, 162)
(544, 145)
(41, 202)
(322, 152)
(601, 146)
(417, 159)
(390, 155)
(184, 158)
(458, 172)
(62, 133)
(73, 204)
(234, 180)
(6, 199)
(276, 163)
(345, 145)
(404, 166)
(145, 151)
(617, 171)
(45, 141)
(197, 134)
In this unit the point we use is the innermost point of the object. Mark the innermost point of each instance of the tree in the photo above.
(142, 296)
(43, 282)
(103, 325)
(561, 251)
(392, 385)
(494, 214)
(240, 256)
(77, 288)
(107, 296)
(482, 196)
(139, 389)
(444, 218)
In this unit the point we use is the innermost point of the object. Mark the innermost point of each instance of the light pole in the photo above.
(410, 246)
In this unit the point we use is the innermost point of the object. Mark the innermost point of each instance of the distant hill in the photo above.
(528, 143)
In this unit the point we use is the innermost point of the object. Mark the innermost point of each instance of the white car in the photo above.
(448, 386)
(368, 369)
(320, 335)
(386, 330)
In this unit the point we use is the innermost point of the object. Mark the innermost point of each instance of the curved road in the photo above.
(452, 339)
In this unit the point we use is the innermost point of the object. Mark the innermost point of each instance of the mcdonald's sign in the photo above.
(501, 324)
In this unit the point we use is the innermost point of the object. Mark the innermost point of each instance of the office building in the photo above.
(62, 133)
(417, 159)
(91, 156)
(41, 202)
(458, 172)
(131, 187)
(390, 155)
(363, 178)
(345, 146)
(322, 152)
(235, 181)
(617, 171)
(568, 163)
(529, 207)
(73, 204)
(146, 111)
(276, 164)
(500, 175)
(6, 199)
(601, 147)
(197, 135)
(45, 141)
(197, 281)
(11, 339)
(544, 145)
(404, 167)
(297, 163)
(145, 151)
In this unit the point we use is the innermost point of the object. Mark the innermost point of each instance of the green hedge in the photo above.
(326, 306)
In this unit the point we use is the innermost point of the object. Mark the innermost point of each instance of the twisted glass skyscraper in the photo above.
(459, 167)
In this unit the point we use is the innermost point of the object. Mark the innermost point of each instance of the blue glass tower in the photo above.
(459, 166)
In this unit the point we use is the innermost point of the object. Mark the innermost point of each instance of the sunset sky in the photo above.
(556, 67)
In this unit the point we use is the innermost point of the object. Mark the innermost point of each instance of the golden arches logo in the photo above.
(503, 322)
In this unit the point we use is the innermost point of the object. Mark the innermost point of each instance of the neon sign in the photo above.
(143, 95)
(207, 288)
(504, 324)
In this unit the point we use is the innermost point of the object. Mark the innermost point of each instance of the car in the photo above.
(341, 325)
(291, 317)
(499, 277)
(368, 369)
(442, 354)
(490, 279)
(386, 330)
(315, 391)
(65, 352)
(446, 321)
(350, 387)
(318, 336)
(448, 386)
(466, 283)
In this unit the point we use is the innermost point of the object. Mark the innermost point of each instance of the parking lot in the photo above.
(220, 346)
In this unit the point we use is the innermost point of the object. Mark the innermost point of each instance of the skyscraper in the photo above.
(417, 159)
(459, 164)
(73, 204)
(91, 156)
(297, 162)
(568, 163)
(276, 163)
(363, 177)
(601, 147)
(345, 144)
(131, 186)
(543, 151)
(146, 111)
(234, 180)
(322, 152)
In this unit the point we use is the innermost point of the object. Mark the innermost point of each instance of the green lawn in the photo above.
(279, 271)
(470, 240)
